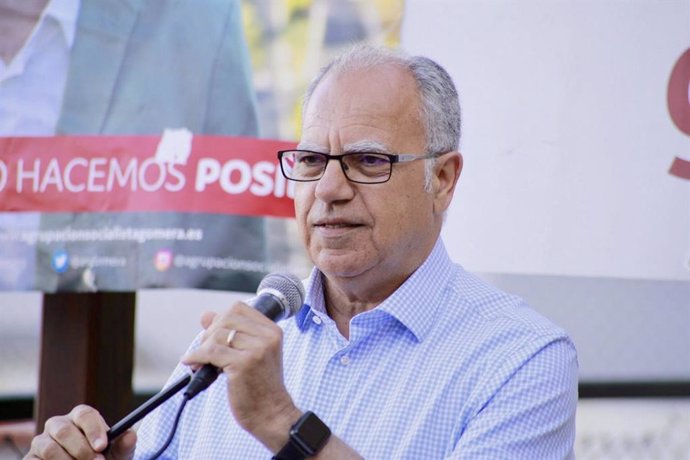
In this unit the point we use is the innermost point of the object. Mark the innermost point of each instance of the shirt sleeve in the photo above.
(529, 408)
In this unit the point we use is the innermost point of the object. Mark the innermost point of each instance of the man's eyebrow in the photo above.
(353, 147)
(312, 147)
(366, 146)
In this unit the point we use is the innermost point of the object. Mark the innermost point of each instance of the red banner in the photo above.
(207, 174)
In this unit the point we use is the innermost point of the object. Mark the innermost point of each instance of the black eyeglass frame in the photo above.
(392, 158)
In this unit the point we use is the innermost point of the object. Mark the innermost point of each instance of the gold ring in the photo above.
(231, 336)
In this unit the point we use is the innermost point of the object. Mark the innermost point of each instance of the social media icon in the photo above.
(60, 260)
(163, 260)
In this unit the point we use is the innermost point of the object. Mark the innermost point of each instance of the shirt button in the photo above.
(316, 319)
(344, 360)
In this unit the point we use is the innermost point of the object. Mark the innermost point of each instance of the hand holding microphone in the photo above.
(279, 296)
(246, 344)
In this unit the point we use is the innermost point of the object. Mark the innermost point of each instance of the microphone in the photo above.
(279, 296)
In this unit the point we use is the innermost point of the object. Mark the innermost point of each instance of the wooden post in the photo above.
(87, 354)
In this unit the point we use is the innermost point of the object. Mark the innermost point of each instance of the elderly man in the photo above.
(397, 352)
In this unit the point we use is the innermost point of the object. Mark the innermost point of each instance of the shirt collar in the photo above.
(313, 300)
(65, 13)
(413, 304)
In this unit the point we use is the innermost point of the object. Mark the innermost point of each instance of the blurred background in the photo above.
(566, 199)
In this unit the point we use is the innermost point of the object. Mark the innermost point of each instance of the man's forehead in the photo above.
(363, 112)
(357, 91)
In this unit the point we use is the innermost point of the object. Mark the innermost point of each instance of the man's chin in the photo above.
(341, 264)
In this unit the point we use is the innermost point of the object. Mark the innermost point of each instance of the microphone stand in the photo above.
(143, 410)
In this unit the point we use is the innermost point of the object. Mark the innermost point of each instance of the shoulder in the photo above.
(500, 332)
(491, 311)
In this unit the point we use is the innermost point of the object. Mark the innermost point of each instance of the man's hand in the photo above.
(80, 434)
(253, 364)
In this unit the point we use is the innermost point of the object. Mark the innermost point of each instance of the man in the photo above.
(398, 351)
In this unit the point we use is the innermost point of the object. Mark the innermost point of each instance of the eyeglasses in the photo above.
(359, 167)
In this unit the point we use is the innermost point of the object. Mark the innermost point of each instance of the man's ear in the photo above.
(446, 174)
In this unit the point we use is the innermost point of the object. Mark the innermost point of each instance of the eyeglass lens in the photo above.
(358, 167)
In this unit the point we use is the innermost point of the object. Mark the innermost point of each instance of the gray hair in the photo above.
(440, 106)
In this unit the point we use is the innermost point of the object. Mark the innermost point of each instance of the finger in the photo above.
(123, 447)
(246, 310)
(247, 351)
(92, 424)
(236, 330)
(236, 334)
(230, 338)
(247, 320)
(214, 349)
(208, 353)
(212, 321)
(65, 433)
(256, 339)
(207, 318)
(239, 317)
(219, 336)
(44, 447)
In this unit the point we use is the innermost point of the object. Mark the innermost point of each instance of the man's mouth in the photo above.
(335, 224)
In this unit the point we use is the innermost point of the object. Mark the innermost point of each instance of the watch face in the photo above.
(310, 433)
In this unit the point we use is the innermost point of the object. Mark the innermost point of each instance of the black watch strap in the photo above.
(290, 451)
(307, 436)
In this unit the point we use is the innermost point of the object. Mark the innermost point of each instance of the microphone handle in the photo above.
(202, 379)
(143, 410)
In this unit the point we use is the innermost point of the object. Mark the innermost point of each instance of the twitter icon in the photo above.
(60, 260)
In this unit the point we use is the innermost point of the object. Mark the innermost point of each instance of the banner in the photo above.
(88, 213)
(175, 172)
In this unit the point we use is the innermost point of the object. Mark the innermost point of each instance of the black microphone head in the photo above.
(287, 288)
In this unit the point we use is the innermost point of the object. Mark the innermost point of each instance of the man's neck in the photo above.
(342, 305)
(17, 19)
(347, 297)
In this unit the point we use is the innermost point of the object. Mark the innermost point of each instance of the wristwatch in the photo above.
(307, 436)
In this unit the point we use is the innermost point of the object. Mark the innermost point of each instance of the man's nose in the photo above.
(334, 185)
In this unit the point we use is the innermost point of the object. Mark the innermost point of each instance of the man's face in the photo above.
(349, 229)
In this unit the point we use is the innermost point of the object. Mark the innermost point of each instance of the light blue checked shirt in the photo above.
(446, 367)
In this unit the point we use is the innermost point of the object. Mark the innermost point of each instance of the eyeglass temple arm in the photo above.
(407, 157)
